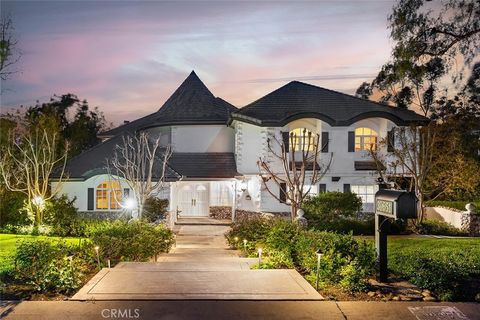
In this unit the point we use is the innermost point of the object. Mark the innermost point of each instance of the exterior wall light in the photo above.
(130, 204)
(38, 201)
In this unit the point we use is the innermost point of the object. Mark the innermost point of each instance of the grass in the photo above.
(9, 243)
(440, 245)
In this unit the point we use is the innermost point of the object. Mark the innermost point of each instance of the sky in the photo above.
(127, 57)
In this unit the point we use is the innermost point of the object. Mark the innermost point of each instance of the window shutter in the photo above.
(351, 141)
(346, 188)
(286, 140)
(391, 140)
(90, 199)
(126, 192)
(324, 142)
(322, 188)
(283, 192)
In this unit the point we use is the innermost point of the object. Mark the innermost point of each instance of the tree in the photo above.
(26, 166)
(9, 54)
(82, 127)
(141, 162)
(429, 43)
(282, 167)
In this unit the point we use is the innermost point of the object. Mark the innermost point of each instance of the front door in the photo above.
(193, 200)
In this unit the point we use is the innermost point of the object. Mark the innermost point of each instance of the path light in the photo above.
(236, 239)
(319, 256)
(260, 251)
(98, 256)
(245, 245)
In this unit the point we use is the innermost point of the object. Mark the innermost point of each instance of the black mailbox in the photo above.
(396, 204)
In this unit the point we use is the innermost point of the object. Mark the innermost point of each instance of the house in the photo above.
(216, 147)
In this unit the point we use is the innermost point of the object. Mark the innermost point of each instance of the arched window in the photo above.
(304, 139)
(109, 195)
(365, 139)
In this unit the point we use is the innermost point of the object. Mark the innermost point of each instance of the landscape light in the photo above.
(260, 251)
(98, 256)
(319, 256)
(38, 201)
(130, 204)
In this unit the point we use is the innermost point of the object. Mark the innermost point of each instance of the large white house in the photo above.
(216, 148)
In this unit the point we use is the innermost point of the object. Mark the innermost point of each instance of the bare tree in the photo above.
(27, 165)
(300, 166)
(9, 54)
(141, 162)
(411, 156)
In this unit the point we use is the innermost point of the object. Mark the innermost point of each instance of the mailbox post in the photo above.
(390, 204)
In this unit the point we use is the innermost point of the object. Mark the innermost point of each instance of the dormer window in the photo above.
(365, 139)
(303, 139)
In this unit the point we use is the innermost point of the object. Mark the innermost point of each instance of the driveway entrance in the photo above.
(200, 267)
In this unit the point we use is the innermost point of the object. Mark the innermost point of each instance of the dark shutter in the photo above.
(322, 188)
(286, 140)
(346, 188)
(283, 192)
(126, 192)
(90, 199)
(351, 141)
(324, 142)
(391, 140)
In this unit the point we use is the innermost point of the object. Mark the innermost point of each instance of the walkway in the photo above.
(199, 267)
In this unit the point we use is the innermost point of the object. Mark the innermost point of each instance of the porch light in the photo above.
(38, 201)
(260, 251)
(319, 256)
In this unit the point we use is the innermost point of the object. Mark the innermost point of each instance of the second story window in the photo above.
(303, 139)
(365, 139)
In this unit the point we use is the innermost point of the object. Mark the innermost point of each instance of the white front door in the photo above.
(194, 200)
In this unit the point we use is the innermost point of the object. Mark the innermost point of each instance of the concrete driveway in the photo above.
(200, 267)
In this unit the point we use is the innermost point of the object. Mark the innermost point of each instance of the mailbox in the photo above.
(397, 204)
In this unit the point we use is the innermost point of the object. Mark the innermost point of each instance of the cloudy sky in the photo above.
(127, 57)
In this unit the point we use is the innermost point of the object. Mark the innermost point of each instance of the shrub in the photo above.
(11, 209)
(53, 267)
(154, 209)
(61, 216)
(330, 205)
(346, 261)
(445, 272)
(130, 241)
(438, 228)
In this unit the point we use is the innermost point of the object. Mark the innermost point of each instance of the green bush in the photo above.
(445, 272)
(61, 216)
(435, 227)
(11, 209)
(130, 241)
(329, 206)
(346, 262)
(154, 209)
(52, 267)
(345, 225)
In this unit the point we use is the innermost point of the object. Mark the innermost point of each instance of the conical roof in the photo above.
(192, 103)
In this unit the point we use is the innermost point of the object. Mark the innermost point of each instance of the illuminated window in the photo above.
(367, 194)
(304, 140)
(109, 195)
(365, 139)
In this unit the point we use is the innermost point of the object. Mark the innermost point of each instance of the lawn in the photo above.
(9, 242)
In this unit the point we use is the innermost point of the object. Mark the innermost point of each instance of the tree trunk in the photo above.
(293, 211)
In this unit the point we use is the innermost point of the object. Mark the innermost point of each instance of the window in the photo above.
(303, 139)
(109, 195)
(367, 194)
(365, 139)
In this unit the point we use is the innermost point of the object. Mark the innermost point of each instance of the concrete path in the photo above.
(238, 310)
(199, 267)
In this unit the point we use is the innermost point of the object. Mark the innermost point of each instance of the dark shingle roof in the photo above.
(191, 103)
(188, 165)
(298, 100)
(204, 165)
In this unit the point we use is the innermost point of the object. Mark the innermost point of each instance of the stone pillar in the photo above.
(471, 221)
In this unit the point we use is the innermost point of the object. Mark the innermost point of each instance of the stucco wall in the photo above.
(444, 214)
(207, 138)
